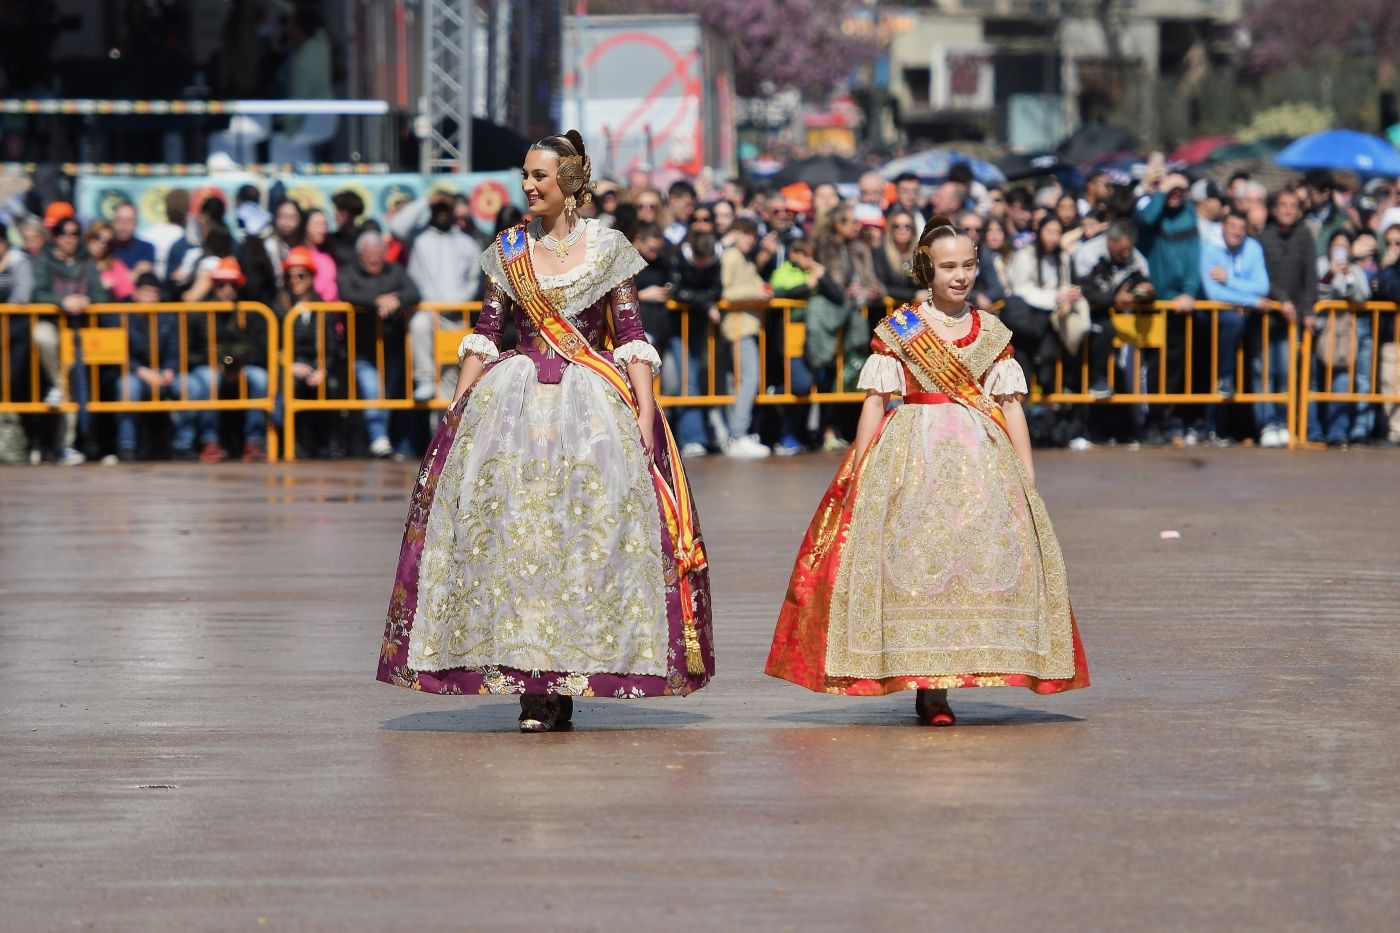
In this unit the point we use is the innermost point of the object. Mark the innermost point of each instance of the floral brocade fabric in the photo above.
(932, 563)
(535, 559)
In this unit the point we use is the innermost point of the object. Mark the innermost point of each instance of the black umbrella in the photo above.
(1028, 165)
(1096, 139)
(817, 170)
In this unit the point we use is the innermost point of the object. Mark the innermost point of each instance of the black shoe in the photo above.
(545, 713)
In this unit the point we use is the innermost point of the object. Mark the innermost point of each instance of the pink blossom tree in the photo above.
(778, 44)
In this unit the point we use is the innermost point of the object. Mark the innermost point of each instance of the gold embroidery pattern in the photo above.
(543, 544)
(951, 565)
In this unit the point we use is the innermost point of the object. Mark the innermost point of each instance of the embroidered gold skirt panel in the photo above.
(542, 548)
(930, 564)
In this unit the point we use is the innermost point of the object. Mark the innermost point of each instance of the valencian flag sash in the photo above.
(936, 363)
(565, 339)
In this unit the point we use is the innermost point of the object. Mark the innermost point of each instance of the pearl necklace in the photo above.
(947, 319)
(559, 247)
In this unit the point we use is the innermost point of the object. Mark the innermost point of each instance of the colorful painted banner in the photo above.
(97, 196)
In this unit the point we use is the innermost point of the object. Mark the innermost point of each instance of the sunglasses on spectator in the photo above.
(648, 205)
(702, 218)
(973, 228)
(298, 275)
(901, 226)
(66, 233)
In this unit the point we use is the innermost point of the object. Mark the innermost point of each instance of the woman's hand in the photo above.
(470, 371)
(646, 427)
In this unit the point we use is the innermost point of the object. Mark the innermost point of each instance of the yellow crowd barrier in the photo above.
(1147, 333)
(1350, 363)
(331, 331)
(1144, 380)
(326, 336)
(791, 334)
(107, 344)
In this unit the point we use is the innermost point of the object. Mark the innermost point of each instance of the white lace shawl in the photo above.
(609, 260)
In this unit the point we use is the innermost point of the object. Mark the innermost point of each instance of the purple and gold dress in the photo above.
(536, 559)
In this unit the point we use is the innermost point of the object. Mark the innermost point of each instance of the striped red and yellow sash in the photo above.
(941, 369)
(565, 339)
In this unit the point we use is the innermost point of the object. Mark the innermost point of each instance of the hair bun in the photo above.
(575, 139)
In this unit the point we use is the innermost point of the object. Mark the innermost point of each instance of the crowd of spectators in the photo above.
(1057, 264)
(278, 255)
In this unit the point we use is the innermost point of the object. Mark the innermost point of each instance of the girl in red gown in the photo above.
(931, 562)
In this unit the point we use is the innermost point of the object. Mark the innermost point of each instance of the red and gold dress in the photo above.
(931, 563)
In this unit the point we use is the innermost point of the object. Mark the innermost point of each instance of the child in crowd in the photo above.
(794, 279)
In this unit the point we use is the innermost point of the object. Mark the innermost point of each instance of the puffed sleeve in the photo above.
(1005, 379)
(632, 342)
(485, 341)
(882, 372)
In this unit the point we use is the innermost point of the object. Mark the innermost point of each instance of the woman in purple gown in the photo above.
(552, 549)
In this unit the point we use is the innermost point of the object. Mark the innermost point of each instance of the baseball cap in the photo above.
(1204, 190)
(869, 216)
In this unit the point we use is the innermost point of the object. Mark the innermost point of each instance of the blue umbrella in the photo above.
(1347, 150)
(932, 166)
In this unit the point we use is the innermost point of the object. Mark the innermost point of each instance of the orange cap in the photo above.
(299, 258)
(228, 270)
(799, 197)
(56, 212)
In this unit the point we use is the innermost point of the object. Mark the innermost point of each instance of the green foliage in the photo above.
(1296, 119)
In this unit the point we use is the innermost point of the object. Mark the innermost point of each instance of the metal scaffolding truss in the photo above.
(448, 36)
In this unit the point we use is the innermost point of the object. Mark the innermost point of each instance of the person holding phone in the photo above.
(1343, 347)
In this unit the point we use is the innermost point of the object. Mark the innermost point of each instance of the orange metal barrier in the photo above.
(791, 333)
(1145, 331)
(11, 315)
(108, 343)
(1149, 331)
(337, 338)
(1339, 339)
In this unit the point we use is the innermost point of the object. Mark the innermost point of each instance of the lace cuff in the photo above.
(635, 350)
(479, 346)
(883, 374)
(1005, 380)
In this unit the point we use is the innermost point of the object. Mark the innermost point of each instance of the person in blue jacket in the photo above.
(1234, 274)
(1169, 238)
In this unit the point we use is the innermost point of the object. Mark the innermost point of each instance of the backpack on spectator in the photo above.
(1335, 343)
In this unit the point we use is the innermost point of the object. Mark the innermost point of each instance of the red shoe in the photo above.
(932, 708)
(254, 453)
(213, 453)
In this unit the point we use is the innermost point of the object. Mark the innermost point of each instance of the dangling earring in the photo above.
(570, 207)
